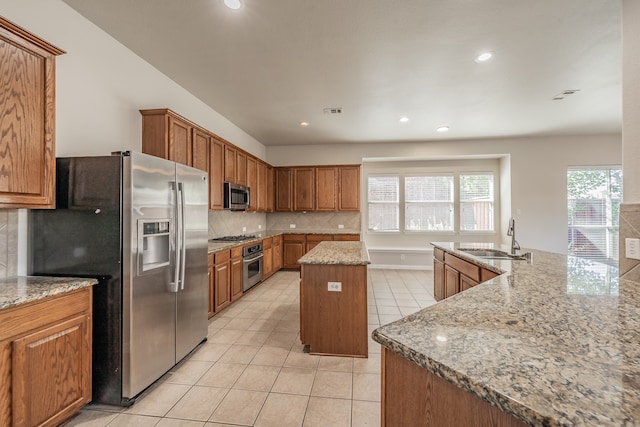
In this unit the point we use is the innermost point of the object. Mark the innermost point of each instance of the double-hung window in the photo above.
(383, 202)
(476, 202)
(428, 202)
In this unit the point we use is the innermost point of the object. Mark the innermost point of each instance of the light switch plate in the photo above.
(632, 248)
(292, 226)
(340, 225)
(334, 286)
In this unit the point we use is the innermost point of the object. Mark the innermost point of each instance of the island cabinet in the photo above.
(413, 396)
(27, 119)
(452, 274)
(333, 300)
(45, 359)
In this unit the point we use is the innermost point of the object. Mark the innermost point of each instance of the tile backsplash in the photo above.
(629, 227)
(314, 221)
(227, 223)
(8, 242)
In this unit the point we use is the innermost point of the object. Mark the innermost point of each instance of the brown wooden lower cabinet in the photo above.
(277, 253)
(45, 359)
(334, 323)
(212, 288)
(222, 280)
(236, 273)
(413, 396)
(452, 274)
(267, 259)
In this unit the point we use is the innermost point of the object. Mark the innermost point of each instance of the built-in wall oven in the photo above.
(252, 258)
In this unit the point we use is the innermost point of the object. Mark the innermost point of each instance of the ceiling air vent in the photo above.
(564, 94)
(332, 110)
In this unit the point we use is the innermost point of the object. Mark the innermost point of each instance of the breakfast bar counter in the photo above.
(552, 341)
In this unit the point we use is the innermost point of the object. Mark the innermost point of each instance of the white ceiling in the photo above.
(275, 63)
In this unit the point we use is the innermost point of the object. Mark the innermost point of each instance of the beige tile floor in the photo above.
(252, 371)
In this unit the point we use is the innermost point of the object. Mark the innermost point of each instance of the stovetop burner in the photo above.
(240, 238)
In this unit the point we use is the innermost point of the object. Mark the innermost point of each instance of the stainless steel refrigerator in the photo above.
(138, 223)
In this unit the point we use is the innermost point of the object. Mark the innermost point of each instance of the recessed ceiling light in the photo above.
(484, 57)
(233, 4)
(404, 119)
(442, 129)
(304, 124)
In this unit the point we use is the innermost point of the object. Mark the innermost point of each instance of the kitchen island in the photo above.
(554, 341)
(333, 299)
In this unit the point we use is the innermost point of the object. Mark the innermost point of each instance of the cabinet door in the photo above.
(292, 252)
(303, 189)
(268, 262)
(261, 180)
(451, 281)
(466, 283)
(326, 189)
(252, 183)
(277, 254)
(216, 175)
(271, 189)
(212, 286)
(241, 168)
(179, 141)
(222, 285)
(349, 188)
(27, 119)
(52, 372)
(312, 240)
(283, 190)
(438, 280)
(236, 273)
(200, 150)
(229, 164)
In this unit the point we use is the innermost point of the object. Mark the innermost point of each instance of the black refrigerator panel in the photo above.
(83, 237)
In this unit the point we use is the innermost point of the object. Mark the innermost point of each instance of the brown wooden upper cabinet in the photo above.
(216, 174)
(241, 168)
(304, 189)
(27, 118)
(170, 136)
(271, 189)
(321, 188)
(252, 182)
(261, 180)
(230, 163)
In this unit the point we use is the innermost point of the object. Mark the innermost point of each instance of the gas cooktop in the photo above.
(241, 238)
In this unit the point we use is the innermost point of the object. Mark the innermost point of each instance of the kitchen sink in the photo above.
(492, 254)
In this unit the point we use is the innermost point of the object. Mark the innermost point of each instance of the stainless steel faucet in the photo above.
(511, 231)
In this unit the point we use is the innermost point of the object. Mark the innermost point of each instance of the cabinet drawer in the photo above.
(222, 257)
(236, 252)
(267, 243)
(293, 237)
(468, 269)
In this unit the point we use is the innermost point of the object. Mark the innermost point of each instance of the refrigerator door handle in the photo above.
(183, 237)
(175, 285)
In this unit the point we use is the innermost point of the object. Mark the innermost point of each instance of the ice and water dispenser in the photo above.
(153, 244)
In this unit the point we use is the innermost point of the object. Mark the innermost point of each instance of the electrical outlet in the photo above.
(340, 225)
(334, 286)
(632, 248)
(292, 226)
(259, 226)
(244, 229)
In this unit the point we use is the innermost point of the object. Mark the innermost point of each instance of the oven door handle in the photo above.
(246, 260)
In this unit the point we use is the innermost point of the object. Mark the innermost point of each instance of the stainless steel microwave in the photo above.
(236, 197)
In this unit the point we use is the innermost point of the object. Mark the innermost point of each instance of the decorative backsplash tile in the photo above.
(8, 242)
(629, 227)
(227, 223)
(315, 221)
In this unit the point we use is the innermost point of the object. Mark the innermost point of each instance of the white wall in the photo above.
(631, 100)
(538, 172)
(101, 85)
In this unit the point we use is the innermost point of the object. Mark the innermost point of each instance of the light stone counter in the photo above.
(19, 290)
(343, 253)
(554, 342)
(221, 246)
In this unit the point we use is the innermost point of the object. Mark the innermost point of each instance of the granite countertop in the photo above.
(221, 246)
(19, 290)
(554, 342)
(343, 253)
